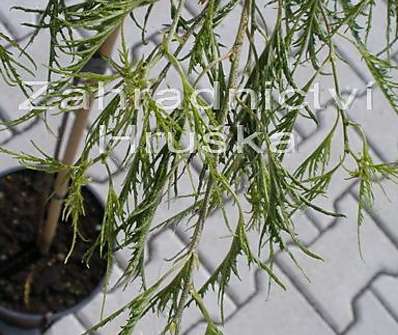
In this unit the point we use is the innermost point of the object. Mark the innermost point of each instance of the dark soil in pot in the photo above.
(29, 282)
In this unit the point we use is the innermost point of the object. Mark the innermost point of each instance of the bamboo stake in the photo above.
(49, 228)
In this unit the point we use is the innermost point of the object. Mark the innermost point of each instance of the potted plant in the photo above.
(49, 279)
(242, 138)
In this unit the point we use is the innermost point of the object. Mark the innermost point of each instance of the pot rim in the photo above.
(8, 314)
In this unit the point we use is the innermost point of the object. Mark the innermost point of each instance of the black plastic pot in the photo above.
(16, 323)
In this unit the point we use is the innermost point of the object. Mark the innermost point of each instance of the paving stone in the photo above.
(157, 23)
(385, 287)
(282, 312)
(6, 30)
(24, 143)
(12, 108)
(193, 7)
(13, 19)
(166, 247)
(372, 318)
(340, 182)
(216, 241)
(305, 228)
(349, 54)
(322, 92)
(167, 209)
(67, 326)
(379, 14)
(5, 136)
(100, 175)
(385, 208)
(90, 315)
(211, 299)
(197, 329)
(380, 125)
(113, 281)
(335, 282)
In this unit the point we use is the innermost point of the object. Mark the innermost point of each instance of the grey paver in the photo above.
(5, 136)
(380, 125)
(68, 325)
(13, 19)
(280, 314)
(385, 208)
(14, 108)
(336, 281)
(385, 287)
(372, 318)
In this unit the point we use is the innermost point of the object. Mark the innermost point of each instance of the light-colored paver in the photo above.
(373, 318)
(280, 313)
(68, 325)
(385, 287)
(335, 282)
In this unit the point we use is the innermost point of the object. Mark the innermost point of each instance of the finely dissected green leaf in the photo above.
(316, 163)
(11, 67)
(382, 73)
(211, 327)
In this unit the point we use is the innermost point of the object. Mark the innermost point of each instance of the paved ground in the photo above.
(346, 295)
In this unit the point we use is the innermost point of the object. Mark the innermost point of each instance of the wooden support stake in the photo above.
(49, 229)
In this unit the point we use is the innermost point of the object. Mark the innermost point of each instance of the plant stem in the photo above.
(47, 234)
(192, 250)
(232, 84)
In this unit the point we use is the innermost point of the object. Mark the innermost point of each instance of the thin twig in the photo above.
(232, 83)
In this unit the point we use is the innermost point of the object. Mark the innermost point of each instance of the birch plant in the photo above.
(264, 57)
